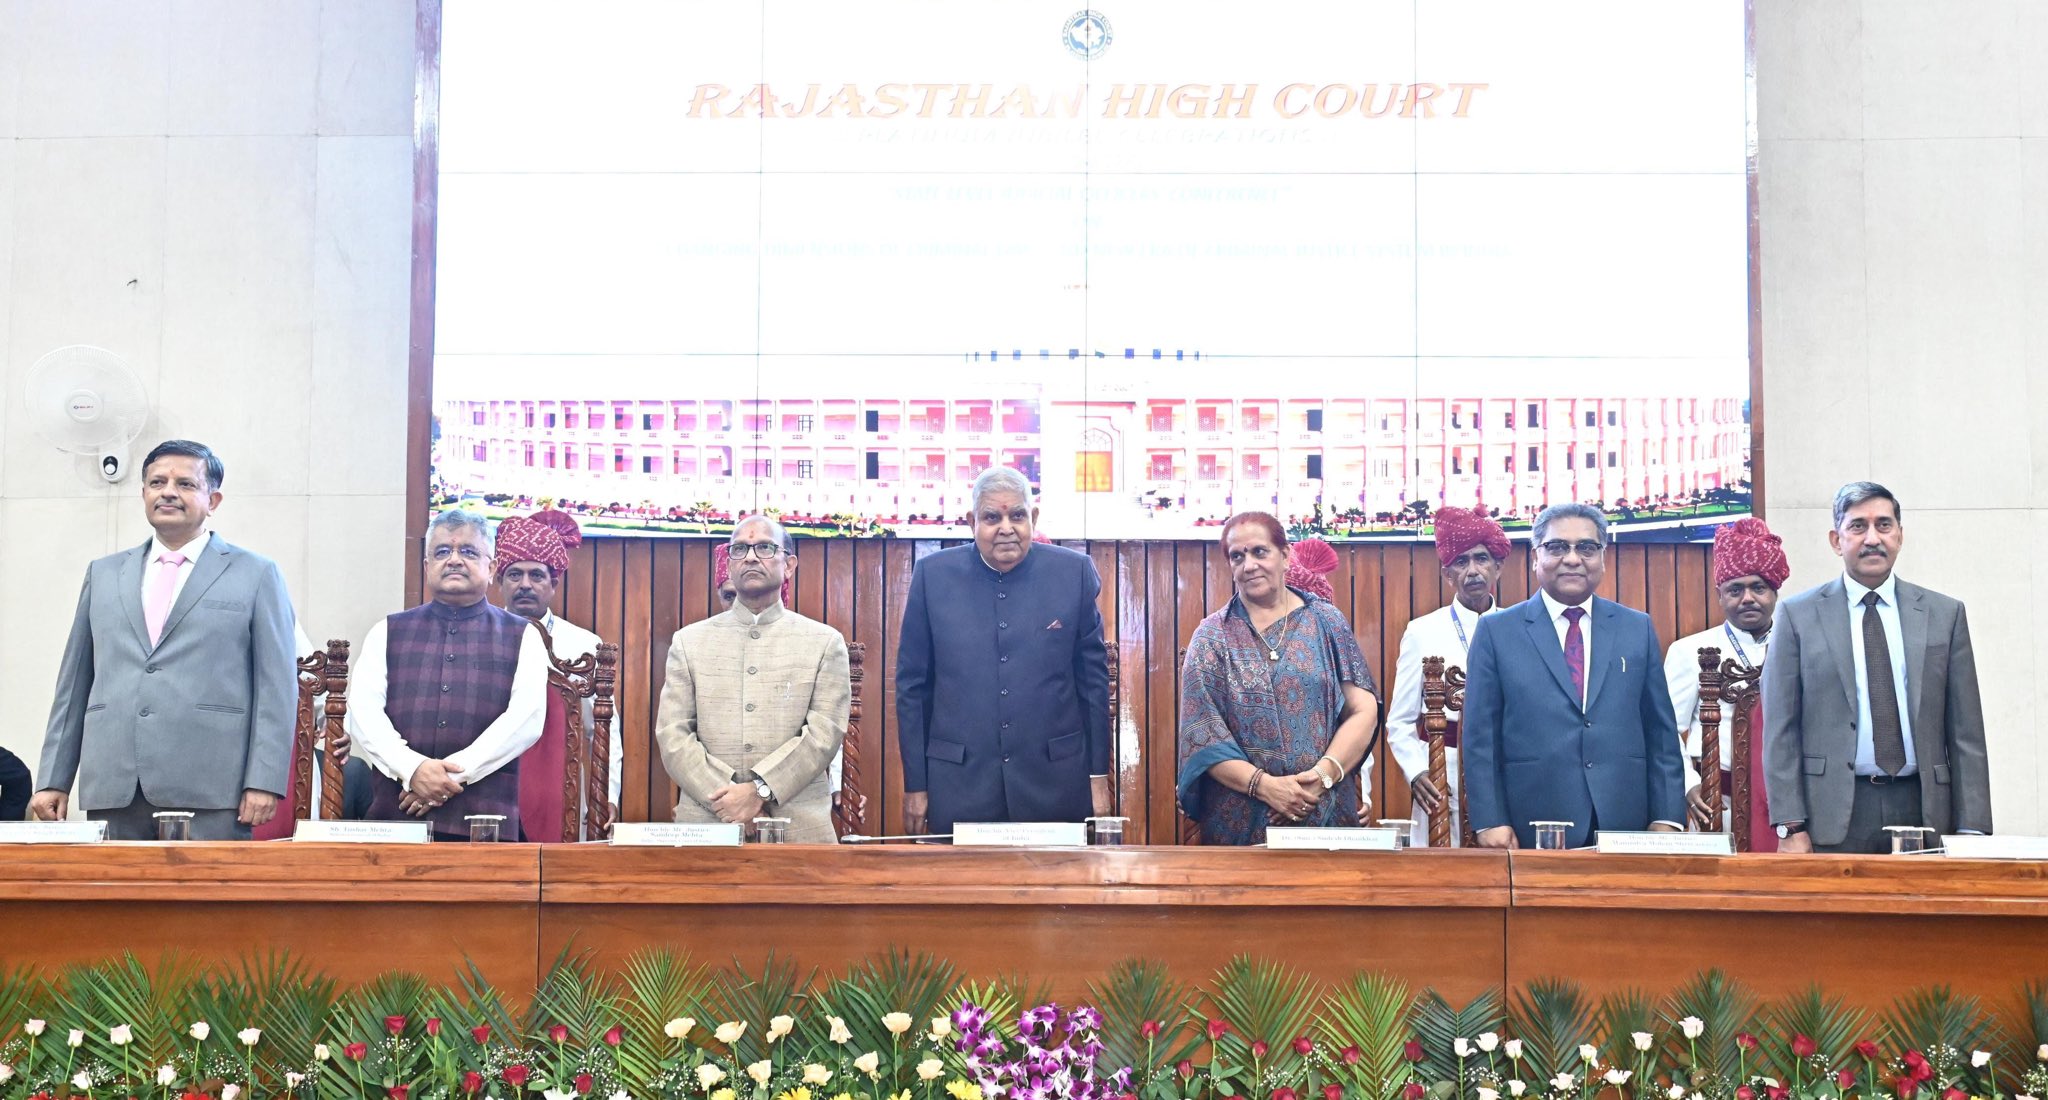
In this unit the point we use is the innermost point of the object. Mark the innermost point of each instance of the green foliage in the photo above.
(1724, 1009)
(1137, 991)
(1833, 1026)
(1927, 1018)
(1369, 1014)
(1438, 1026)
(152, 1003)
(1262, 1001)
(918, 985)
(753, 999)
(573, 996)
(1622, 1015)
(660, 985)
(1553, 1018)
(2034, 1001)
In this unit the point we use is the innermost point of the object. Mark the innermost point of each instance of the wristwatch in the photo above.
(1791, 828)
(761, 788)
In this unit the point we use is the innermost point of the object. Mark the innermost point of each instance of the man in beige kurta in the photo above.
(755, 701)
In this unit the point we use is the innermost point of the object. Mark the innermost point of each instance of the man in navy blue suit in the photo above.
(1002, 676)
(1567, 716)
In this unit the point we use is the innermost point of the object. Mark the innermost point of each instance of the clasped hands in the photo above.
(432, 784)
(1291, 797)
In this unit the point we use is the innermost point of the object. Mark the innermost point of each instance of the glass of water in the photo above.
(484, 828)
(1550, 834)
(1106, 832)
(173, 824)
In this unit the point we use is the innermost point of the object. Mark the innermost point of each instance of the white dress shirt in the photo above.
(1564, 626)
(1682, 676)
(570, 642)
(501, 742)
(1447, 633)
(1895, 641)
(152, 567)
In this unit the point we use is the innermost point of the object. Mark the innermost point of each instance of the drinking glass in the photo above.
(173, 824)
(484, 828)
(1106, 832)
(1550, 834)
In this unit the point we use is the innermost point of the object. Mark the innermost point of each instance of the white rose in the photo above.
(6, 1073)
(249, 1036)
(200, 1030)
(35, 1027)
(839, 1032)
(1588, 1052)
(897, 1022)
(229, 1092)
(76, 1039)
(1616, 1076)
(1488, 1094)
(730, 1031)
(815, 1074)
(120, 1035)
(867, 1063)
(1513, 1049)
(942, 1026)
(2040, 1054)
(294, 1080)
(1675, 1092)
(622, 1094)
(1563, 1082)
(321, 1053)
(678, 1028)
(1461, 1047)
(558, 1094)
(1692, 1027)
(81, 1081)
(1979, 1059)
(929, 1069)
(165, 1075)
(761, 1071)
(1488, 1040)
(779, 1026)
(709, 1074)
(1517, 1088)
(1642, 1039)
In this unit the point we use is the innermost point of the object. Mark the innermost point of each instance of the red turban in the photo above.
(1309, 565)
(547, 536)
(1747, 548)
(1461, 529)
(721, 570)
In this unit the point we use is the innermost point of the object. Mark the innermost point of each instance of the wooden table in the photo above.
(350, 910)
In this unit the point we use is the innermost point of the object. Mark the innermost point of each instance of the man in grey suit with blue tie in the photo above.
(178, 688)
(1871, 711)
(1567, 716)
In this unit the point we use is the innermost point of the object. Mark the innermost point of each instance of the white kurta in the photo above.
(384, 748)
(1432, 635)
(1682, 674)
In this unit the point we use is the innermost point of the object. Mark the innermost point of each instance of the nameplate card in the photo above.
(1664, 844)
(1304, 838)
(52, 832)
(1020, 834)
(1973, 846)
(675, 834)
(363, 832)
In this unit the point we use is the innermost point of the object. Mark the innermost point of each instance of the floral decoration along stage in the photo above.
(902, 1027)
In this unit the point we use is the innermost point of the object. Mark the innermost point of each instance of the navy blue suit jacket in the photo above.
(1002, 687)
(1531, 753)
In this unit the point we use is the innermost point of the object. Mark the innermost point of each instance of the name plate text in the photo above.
(1020, 834)
(1664, 844)
(364, 832)
(675, 834)
(1333, 840)
(52, 832)
(1972, 846)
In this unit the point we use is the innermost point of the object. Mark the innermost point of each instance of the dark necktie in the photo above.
(1575, 651)
(1887, 740)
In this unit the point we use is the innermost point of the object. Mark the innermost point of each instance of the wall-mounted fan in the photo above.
(88, 401)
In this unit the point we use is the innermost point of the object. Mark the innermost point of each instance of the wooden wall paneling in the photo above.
(1191, 584)
(876, 720)
(1515, 576)
(1426, 588)
(1127, 750)
(810, 578)
(665, 617)
(1698, 607)
(1396, 593)
(1629, 571)
(1162, 656)
(1661, 571)
(1134, 677)
(898, 559)
(638, 689)
(1610, 581)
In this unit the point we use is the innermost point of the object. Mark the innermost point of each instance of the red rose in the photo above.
(1413, 1090)
(1259, 1048)
(1351, 1055)
(397, 1092)
(394, 1024)
(1953, 1093)
(472, 1081)
(1186, 1068)
(558, 1034)
(1217, 1028)
(1412, 1051)
(1923, 1073)
(1333, 1092)
(433, 1026)
(1283, 1093)
(1915, 1059)
(614, 1036)
(481, 1033)
(1804, 1046)
(515, 1076)
(1745, 1040)
(584, 1083)
(1845, 1079)
(188, 1094)
(1778, 1092)
(356, 1052)
(1868, 1050)
(1302, 1046)
(1150, 1029)
(1907, 1086)
(1744, 1092)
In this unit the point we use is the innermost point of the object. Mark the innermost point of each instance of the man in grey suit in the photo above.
(1871, 711)
(178, 687)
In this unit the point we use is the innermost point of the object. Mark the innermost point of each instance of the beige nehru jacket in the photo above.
(767, 696)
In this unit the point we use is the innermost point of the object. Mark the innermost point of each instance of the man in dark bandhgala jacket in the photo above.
(14, 787)
(1002, 677)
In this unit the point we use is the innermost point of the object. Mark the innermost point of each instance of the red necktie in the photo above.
(1575, 651)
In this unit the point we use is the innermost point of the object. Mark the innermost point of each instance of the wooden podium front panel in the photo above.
(349, 910)
(1868, 928)
(1063, 916)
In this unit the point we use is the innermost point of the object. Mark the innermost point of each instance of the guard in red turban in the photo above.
(1746, 548)
(1461, 529)
(1309, 565)
(547, 536)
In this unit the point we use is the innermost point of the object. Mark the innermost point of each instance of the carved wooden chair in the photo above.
(1737, 689)
(1443, 691)
(850, 810)
(586, 777)
(322, 721)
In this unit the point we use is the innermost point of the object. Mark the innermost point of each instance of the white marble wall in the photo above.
(1904, 173)
(219, 191)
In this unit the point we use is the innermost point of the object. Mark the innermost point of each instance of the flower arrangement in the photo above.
(902, 1027)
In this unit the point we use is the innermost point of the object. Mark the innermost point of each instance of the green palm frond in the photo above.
(2034, 1002)
(288, 1003)
(576, 996)
(753, 999)
(921, 985)
(472, 1002)
(1004, 998)
(359, 1016)
(1369, 1013)
(1553, 1018)
(153, 1003)
(1135, 992)
(23, 996)
(1438, 1027)
(1724, 1008)
(1927, 1018)
(1832, 1024)
(1623, 1014)
(659, 985)
(1262, 1001)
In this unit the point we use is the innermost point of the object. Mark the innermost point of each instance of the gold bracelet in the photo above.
(1333, 760)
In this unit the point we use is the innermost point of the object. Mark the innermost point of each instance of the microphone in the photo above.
(857, 838)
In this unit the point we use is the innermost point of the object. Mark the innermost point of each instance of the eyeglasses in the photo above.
(740, 551)
(1558, 548)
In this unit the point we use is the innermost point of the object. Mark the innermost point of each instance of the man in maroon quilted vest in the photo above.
(446, 696)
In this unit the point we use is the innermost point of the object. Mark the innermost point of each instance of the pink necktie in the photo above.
(1575, 651)
(161, 595)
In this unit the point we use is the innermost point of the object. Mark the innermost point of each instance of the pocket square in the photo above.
(1055, 625)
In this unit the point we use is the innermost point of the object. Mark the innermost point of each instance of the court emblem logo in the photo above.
(1087, 34)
